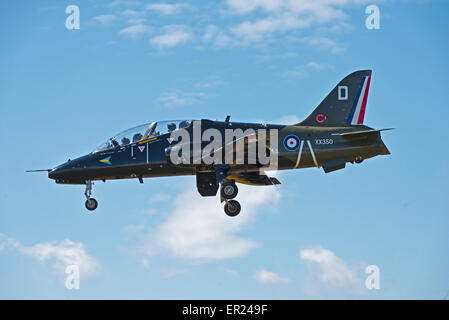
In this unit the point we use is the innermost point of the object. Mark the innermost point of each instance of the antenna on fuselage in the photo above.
(228, 118)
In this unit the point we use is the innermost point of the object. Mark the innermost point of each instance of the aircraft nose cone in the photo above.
(59, 171)
(72, 171)
(53, 174)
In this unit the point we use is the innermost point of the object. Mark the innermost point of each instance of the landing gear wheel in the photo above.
(91, 204)
(232, 208)
(358, 159)
(229, 190)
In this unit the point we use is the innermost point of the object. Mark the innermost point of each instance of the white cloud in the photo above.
(160, 197)
(150, 211)
(173, 272)
(323, 43)
(179, 99)
(104, 19)
(304, 69)
(211, 82)
(329, 268)
(317, 66)
(131, 13)
(224, 40)
(61, 254)
(269, 277)
(258, 29)
(271, 57)
(132, 229)
(211, 31)
(7, 243)
(134, 17)
(281, 16)
(218, 37)
(145, 262)
(288, 120)
(247, 6)
(123, 3)
(174, 35)
(135, 30)
(232, 272)
(197, 229)
(323, 10)
(168, 8)
(274, 18)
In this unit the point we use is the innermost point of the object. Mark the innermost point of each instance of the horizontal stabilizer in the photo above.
(335, 164)
(359, 132)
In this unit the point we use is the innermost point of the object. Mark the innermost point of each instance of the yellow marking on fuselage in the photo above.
(148, 140)
(242, 181)
(106, 160)
(312, 153)
(270, 149)
(299, 155)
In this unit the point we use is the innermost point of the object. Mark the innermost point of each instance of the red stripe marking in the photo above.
(365, 98)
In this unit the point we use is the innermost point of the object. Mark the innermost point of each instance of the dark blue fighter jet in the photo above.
(223, 153)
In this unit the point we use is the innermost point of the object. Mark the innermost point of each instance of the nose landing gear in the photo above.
(91, 204)
(229, 191)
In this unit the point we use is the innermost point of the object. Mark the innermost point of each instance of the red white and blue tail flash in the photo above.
(358, 109)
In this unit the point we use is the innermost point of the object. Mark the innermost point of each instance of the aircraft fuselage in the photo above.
(318, 147)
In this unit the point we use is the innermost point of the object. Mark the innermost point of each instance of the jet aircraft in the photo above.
(331, 136)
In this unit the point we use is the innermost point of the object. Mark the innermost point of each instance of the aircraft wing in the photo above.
(253, 178)
(248, 142)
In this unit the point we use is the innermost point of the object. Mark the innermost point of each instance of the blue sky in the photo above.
(64, 92)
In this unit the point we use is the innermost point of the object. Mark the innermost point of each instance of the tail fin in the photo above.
(345, 104)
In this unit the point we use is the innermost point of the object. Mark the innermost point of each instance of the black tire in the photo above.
(229, 190)
(358, 160)
(232, 208)
(91, 204)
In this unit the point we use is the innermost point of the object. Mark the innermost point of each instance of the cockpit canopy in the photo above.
(143, 132)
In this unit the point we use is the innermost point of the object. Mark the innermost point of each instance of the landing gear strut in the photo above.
(91, 203)
(229, 191)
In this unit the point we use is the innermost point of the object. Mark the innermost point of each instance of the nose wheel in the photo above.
(229, 191)
(91, 204)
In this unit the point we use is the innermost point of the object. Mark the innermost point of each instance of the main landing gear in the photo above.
(91, 203)
(229, 191)
(232, 208)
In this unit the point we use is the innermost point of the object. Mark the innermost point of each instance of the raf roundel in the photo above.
(291, 142)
